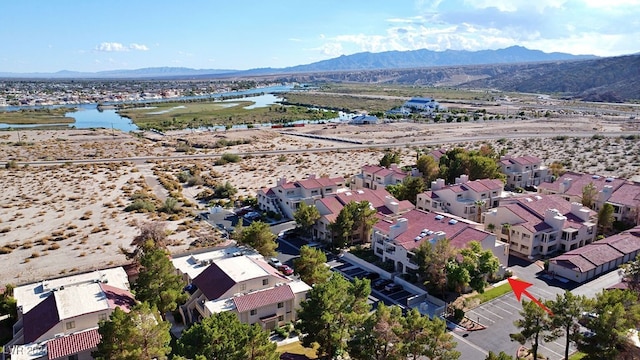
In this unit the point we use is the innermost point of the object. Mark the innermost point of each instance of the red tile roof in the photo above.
(263, 298)
(459, 232)
(117, 297)
(625, 242)
(579, 181)
(627, 194)
(72, 344)
(532, 211)
(482, 185)
(526, 160)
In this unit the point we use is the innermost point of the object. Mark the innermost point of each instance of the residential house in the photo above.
(571, 184)
(626, 203)
(583, 264)
(524, 171)
(241, 282)
(329, 207)
(395, 240)
(542, 224)
(285, 197)
(364, 119)
(437, 154)
(378, 177)
(465, 199)
(59, 317)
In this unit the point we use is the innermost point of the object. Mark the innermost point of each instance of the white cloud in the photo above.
(139, 47)
(331, 49)
(119, 47)
(111, 47)
(295, 39)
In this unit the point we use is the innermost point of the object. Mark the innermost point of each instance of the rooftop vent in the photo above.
(609, 179)
(595, 177)
(453, 222)
(439, 217)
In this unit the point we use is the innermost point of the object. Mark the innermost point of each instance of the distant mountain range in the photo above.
(356, 62)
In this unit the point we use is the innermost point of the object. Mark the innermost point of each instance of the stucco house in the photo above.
(286, 196)
(395, 240)
(239, 281)
(58, 318)
(378, 177)
(466, 199)
(524, 171)
(542, 224)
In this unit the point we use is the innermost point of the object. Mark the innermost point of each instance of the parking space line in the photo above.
(544, 347)
(492, 313)
(518, 308)
(482, 316)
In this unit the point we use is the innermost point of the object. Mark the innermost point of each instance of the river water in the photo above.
(87, 115)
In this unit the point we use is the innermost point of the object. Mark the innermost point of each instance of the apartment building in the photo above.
(285, 197)
(524, 171)
(240, 281)
(58, 318)
(329, 207)
(378, 177)
(465, 199)
(542, 224)
(395, 240)
(571, 184)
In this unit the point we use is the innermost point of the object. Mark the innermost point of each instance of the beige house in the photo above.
(571, 184)
(394, 241)
(285, 197)
(524, 171)
(58, 318)
(542, 224)
(465, 199)
(243, 283)
(378, 177)
(386, 206)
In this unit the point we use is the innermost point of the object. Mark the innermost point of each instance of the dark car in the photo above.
(381, 283)
(372, 276)
(392, 287)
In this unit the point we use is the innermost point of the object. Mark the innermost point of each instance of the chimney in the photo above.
(398, 228)
(393, 166)
(580, 211)
(462, 179)
(565, 185)
(391, 204)
(437, 185)
(605, 193)
(311, 176)
(554, 219)
(282, 181)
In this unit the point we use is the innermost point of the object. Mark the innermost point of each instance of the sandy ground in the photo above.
(66, 218)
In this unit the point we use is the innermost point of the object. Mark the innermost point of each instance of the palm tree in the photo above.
(506, 229)
(479, 207)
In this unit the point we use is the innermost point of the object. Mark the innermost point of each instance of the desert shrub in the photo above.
(227, 158)
(54, 246)
(140, 205)
(11, 164)
(86, 215)
(5, 230)
(5, 250)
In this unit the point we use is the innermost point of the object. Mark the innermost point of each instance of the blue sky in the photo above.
(92, 35)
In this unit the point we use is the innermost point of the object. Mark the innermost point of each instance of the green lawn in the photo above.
(36, 116)
(297, 348)
(577, 355)
(493, 293)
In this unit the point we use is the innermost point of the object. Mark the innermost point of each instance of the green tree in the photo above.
(589, 193)
(258, 235)
(8, 304)
(480, 205)
(567, 309)
(422, 336)
(153, 235)
(616, 311)
(473, 269)
(631, 275)
(311, 265)
(355, 218)
(364, 217)
(222, 336)
(408, 189)
(557, 169)
(224, 191)
(605, 218)
(332, 312)
(158, 283)
(390, 157)
(170, 205)
(342, 227)
(534, 324)
(432, 259)
(428, 167)
(501, 356)
(379, 337)
(306, 216)
(138, 335)
(482, 167)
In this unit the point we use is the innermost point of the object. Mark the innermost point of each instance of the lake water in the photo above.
(88, 116)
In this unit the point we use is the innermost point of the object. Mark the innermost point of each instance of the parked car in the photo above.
(392, 287)
(285, 269)
(381, 283)
(274, 262)
(372, 276)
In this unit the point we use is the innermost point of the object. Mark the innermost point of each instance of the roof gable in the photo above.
(263, 298)
(68, 345)
(40, 319)
(213, 282)
(120, 298)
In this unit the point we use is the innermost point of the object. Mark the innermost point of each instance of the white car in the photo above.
(274, 262)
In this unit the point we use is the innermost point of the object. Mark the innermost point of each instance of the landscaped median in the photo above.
(497, 290)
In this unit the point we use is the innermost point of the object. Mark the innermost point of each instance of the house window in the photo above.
(265, 281)
(73, 357)
(253, 312)
(281, 318)
(102, 317)
(71, 325)
(280, 305)
(243, 287)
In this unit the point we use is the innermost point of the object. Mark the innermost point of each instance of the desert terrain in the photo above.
(60, 215)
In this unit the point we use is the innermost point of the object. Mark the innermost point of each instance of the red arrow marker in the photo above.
(519, 287)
